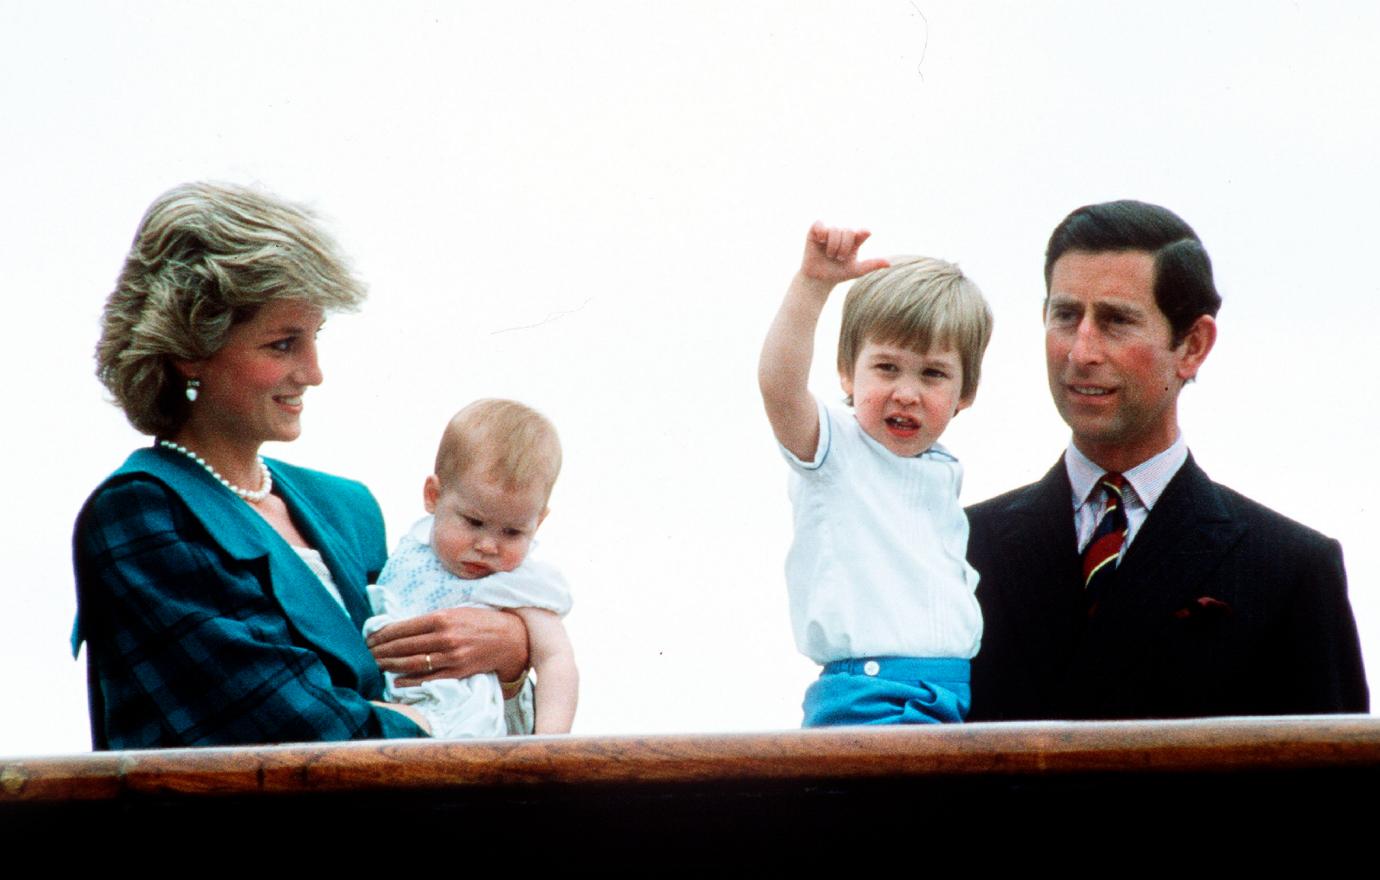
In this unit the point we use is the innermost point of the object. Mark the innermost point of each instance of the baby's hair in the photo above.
(517, 444)
(917, 302)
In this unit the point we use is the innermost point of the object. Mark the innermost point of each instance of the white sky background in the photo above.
(595, 207)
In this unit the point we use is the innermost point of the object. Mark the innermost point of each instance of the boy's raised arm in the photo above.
(831, 256)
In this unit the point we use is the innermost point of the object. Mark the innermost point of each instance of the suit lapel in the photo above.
(310, 608)
(1044, 597)
(1163, 571)
(342, 558)
(237, 529)
(245, 536)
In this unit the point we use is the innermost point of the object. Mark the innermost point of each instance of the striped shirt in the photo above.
(1145, 483)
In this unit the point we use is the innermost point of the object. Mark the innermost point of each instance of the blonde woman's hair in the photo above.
(207, 256)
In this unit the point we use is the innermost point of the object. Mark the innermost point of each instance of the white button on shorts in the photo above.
(872, 667)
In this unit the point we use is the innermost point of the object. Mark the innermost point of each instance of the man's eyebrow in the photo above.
(1118, 308)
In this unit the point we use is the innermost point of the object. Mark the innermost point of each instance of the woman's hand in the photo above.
(452, 643)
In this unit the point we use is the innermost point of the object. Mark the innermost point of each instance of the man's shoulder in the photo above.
(1048, 494)
(1262, 520)
(997, 504)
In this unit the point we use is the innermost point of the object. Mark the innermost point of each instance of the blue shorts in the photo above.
(889, 690)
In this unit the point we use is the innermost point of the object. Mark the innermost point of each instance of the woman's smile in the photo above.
(252, 388)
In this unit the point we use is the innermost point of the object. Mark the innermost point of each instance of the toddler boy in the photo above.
(880, 592)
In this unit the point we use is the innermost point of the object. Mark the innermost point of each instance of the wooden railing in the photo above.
(687, 797)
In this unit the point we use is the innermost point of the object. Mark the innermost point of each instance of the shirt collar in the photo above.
(939, 452)
(1147, 479)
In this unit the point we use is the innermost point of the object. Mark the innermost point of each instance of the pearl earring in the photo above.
(193, 386)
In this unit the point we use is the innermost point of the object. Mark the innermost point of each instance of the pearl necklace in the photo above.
(252, 496)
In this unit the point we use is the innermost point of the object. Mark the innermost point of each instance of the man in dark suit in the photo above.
(1126, 584)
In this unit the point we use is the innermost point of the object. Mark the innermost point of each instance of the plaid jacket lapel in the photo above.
(245, 535)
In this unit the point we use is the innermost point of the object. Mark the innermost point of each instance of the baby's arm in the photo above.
(558, 681)
(831, 256)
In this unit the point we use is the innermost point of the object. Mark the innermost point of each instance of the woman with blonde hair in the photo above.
(221, 594)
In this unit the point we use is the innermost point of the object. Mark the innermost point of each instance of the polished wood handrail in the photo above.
(1215, 746)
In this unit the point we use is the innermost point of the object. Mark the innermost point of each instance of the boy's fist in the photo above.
(831, 254)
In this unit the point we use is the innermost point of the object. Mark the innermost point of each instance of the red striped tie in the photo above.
(1101, 554)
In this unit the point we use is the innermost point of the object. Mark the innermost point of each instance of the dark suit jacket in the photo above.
(1220, 607)
(203, 627)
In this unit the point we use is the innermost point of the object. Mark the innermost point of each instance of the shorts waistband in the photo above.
(935, 669)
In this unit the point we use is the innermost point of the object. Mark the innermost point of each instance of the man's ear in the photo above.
(1196, 344)
(430, 492)
(541, 519)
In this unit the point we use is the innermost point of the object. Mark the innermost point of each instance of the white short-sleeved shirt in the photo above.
(878, 565)
(413, 582)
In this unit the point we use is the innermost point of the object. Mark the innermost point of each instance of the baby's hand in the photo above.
(831, 254)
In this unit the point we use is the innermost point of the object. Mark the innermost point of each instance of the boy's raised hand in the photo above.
(783, 373)
(831, 254)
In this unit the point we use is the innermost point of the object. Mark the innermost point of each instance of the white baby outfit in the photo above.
(415, 582)
(878, 565)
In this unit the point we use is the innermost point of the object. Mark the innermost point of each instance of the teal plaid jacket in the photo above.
(203, 627)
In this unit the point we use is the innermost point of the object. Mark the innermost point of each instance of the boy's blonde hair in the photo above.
(918, 303)
(516, 443)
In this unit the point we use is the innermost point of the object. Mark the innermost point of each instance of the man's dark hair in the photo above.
(1183, 273)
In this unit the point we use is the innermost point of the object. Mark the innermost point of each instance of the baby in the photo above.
(495, 468)
(880, 592)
